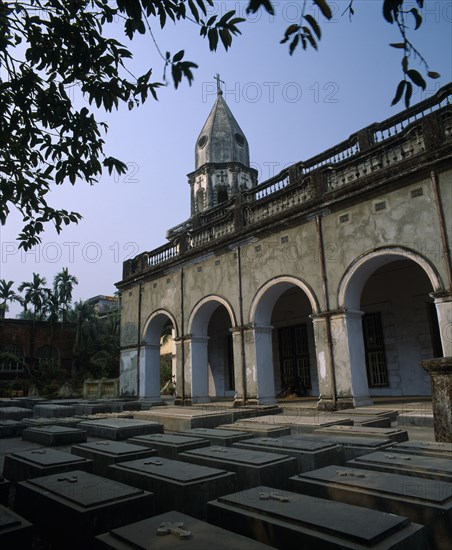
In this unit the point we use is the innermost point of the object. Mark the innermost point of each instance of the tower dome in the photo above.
(222, 159)
(221, 138)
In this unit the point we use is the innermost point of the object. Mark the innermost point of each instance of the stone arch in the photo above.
(356, 275)
(149, 375)
(204, 309)
(266, 297)
(198, 328)
(261, 311)
(154, 325)
(376, 323)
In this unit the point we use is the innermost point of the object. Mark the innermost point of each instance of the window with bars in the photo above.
(12, 358)
(48, 356)
(377, 370)
(294, 357)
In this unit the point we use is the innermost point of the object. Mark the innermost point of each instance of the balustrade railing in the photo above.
(374, 148)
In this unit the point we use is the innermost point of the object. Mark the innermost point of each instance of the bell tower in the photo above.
(222, 159)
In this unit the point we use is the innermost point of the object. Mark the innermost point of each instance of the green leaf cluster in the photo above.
(48, 49)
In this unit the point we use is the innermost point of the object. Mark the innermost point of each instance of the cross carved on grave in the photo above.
(218, 450)
(177, 529)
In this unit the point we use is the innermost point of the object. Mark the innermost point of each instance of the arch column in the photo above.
(443, 304)
(239, 381)
(259, 351)
(198, 369)
(324, 364)
(352, 389)
(150, 372)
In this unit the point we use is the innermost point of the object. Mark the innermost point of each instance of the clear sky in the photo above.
(289, 107)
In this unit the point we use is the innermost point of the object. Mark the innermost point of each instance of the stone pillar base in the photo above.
(325, 404)
(440, 371)
(182, 402)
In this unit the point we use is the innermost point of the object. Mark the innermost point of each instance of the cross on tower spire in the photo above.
(219, 82)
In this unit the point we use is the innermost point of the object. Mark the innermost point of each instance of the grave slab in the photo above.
(179, 419)
(394, 434)
(15, 531)
(427, 448)
(30, 402)
(176, 484)
(310, 454)
(170, 445)
(14, 413)
(120, 406)
(106, 453)
(371, 411)
(5, 487)
(217, 436)
(406, 464)
(284, 519)
(73, 507)
(367, 421)
(260, 430)
(174, 531)
(91, 408)
(69, 421)
(50, 436)
(120, 428)
(11, 428)
(300, 424)
(424, 501)
(22, 465)
(353, 445)
(251, 466)
(49, 410)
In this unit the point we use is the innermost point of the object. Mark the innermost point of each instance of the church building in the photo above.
(332, 279)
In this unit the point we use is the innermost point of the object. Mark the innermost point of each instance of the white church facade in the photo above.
(332, 279)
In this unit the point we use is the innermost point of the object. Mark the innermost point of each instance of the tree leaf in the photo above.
(314, 25)
(324, 8)
(294, 44)
(408, 94)
(433, 74)
(417, 78)
(178, 56)
(399, 92)
(417, 17)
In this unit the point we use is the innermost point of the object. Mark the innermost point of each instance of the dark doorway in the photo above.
(377, 371)
(294, 358)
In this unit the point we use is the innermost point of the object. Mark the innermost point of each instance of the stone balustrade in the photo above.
(374, 149)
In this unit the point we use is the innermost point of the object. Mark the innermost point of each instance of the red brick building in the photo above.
(34, 343)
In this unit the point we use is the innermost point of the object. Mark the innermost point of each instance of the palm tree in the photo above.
(7, 294)
(35, 294)
(63, 285)
(52, 308)
(86, 328)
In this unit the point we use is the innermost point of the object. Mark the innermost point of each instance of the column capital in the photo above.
(150, 346)
(196, 339)
(337, 313)
(441, 296)
(261, 329)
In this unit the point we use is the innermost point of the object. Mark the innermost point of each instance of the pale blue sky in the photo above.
(290, 108)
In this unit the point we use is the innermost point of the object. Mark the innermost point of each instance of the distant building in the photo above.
(332, 279)
(104, 304)
(27, 343)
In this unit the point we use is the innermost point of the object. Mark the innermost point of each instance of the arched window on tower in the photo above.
(222, 194)
(200, 200)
